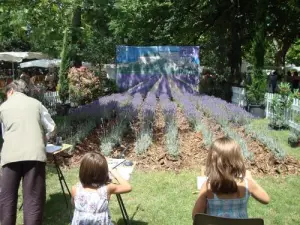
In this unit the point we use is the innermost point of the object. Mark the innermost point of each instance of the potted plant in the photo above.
(255, 94)
(293, 140)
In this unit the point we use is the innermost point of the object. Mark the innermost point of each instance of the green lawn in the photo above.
(167, 198)
(281, 136)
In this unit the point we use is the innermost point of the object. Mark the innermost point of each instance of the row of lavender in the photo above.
(126, 112)
(144, 139)
(125, 109)
(169, 109)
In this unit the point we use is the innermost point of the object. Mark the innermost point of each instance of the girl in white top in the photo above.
(91, 196)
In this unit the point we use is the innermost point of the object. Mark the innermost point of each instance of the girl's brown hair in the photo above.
(225, 165)
(93, 170)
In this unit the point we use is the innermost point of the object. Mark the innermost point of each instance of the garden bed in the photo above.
(193, 152)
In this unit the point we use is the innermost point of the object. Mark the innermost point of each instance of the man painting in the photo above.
(23, 154)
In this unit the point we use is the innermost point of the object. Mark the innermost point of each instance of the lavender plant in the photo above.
(168, 107)
(113, 138)
(144, 139)
(207, 134)
(260, 135)
(143, 142)
(231, 133)
(172, 140)
(74, 131)
(223, 111)
(189, 109)
(169, 110)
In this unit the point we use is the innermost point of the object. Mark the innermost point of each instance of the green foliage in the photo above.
(293, 139)
(280, 106)
(63, 83)
(110, 86)
(293, 55)
(255, 91)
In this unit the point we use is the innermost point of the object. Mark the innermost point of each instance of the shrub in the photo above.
(293, 139)
(255, 91)
(84, 86)
(63, 83)
(281, 103)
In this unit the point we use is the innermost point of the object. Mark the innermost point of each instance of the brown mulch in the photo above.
(192, 150)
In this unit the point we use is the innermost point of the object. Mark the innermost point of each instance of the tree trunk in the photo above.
(259, 40)
(76, 37)
(235, 53)
(281, 53)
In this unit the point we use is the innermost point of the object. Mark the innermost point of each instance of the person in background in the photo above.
(295, 81)
(289, 78)
(91, 196)
(27, 126)
(273, 78)
(229, 186)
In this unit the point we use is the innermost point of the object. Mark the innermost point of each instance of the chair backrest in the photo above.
(203, 219)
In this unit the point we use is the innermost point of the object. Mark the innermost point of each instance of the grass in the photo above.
(167, 198)
(280, 135)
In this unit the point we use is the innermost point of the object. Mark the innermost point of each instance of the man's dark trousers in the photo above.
(34, 192)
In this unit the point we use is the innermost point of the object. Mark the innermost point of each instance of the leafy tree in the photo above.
(293, 55)
(63, 85)
(283, 26)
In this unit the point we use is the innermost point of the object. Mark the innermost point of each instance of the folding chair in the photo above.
(203, 219)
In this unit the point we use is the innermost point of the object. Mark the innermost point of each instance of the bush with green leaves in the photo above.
(84, 85)
(280, 106)
(63, 83)
(255, 91)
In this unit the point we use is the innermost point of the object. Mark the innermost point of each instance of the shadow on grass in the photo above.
(56, 211)
(132, 221)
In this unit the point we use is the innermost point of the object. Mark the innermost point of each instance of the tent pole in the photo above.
(13, 71)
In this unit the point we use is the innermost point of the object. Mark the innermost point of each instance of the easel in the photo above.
(123, 210)
(120, 200)
(60, 175)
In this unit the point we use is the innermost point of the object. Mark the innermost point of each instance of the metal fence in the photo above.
(292, 116)
(239, 96)
(51, 99)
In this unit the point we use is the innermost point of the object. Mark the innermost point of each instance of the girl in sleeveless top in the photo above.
(229, 186)
(91, 196)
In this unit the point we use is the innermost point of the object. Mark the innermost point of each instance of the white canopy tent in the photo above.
(292, 67)
(17, 57)
(20, 56)
(46, 63)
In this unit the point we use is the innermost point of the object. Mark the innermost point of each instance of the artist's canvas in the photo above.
(136, 64)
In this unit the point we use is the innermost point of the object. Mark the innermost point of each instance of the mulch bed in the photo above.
(192, 150)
